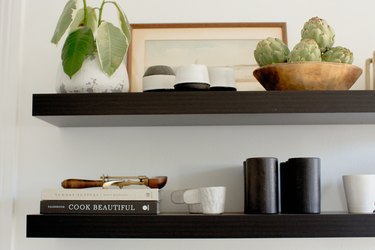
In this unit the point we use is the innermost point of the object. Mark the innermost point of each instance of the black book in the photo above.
(126, 207)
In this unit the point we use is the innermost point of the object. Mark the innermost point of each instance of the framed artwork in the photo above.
(212, 44)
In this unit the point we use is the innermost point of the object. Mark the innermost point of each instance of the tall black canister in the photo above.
(300, 189)
(261, 185)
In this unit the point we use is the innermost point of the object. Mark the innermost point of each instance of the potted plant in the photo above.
(94, 50)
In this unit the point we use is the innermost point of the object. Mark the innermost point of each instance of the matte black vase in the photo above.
(300, 186)
(261, 185)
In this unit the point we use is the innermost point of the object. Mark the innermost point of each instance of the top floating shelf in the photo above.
(206, 108)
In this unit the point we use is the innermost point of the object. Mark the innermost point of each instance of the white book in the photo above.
(145, 194)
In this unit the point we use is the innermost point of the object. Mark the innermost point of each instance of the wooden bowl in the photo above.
(308, 76)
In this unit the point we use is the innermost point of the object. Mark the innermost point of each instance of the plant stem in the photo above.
(84, 12)
(101, 12)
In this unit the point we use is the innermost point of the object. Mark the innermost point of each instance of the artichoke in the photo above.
(271, 50)
(319, 30)
(306, 50)
(338, 54)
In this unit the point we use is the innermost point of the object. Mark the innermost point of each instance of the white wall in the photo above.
(190, 156)
(10, 53)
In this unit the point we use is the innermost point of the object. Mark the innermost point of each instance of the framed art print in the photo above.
(214, 45)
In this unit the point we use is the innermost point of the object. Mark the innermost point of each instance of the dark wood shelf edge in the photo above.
(206, 108)
(201, 226)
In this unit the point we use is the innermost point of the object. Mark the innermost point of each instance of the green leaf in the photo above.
(65, 20)
(91, 19)
(112, 45)
(125, 26)
(78, 45)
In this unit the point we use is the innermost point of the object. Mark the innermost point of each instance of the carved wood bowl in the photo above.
(308, 76)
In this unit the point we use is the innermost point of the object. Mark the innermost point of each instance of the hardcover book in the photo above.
(99, 207)
(133, 194)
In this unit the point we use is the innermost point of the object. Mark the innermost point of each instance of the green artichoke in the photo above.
(306, 50)
(319, 30)
(271, 50)
(338, 54)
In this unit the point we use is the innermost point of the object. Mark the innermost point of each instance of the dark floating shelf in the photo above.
(201, 226)
(206, 108)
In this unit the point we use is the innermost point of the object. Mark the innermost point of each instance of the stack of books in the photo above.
(132, 201)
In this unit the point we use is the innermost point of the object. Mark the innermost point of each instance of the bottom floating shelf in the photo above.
(201, 226)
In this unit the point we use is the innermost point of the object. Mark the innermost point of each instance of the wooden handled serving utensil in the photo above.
(119, 181)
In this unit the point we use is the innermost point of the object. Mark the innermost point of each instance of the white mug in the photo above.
(222, 77)
(193, 73)
(360, 193)
(206, 200)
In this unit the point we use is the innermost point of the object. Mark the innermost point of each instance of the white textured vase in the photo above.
(91, 79)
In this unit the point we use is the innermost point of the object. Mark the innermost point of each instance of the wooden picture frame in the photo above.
(212, 44)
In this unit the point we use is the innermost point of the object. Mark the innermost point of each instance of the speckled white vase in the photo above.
(91, 79)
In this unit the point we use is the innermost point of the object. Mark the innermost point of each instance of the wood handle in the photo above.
(78, 183)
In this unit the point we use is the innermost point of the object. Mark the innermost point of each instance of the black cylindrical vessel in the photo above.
(300, 186)
(261, 185)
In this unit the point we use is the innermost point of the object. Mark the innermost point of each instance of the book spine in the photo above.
(100, 194)
(99, 207)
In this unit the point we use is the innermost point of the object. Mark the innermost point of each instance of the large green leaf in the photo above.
(78, 45)
(65, 20)
(112, 45)
(125, 26)
(91, 19)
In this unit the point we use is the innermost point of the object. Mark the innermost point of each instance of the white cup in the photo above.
(206, 200)
(212, 199)
(193, 73)
(222, 77)
(360, 193)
